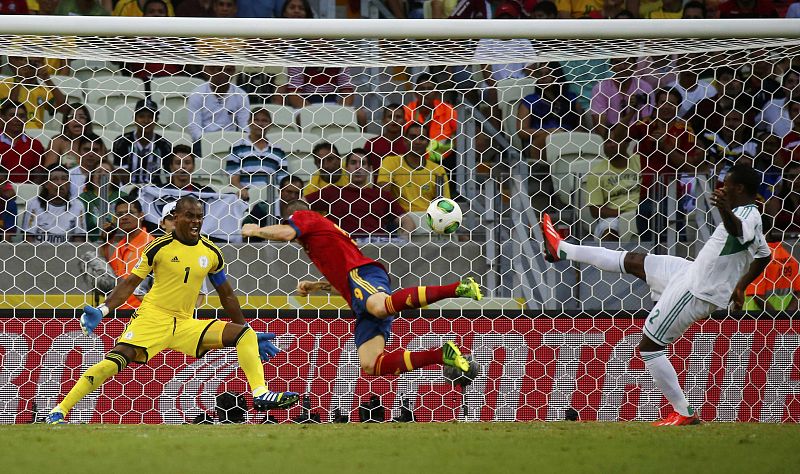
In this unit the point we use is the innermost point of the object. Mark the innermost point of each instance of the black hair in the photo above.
(695, 4)
(319, 146)
(261, 110)
(546, 7)
(43, 198)
(89, 137)
(186, 201)
(424, 77)
(74, 107)
(128, 200)
(747, 177)
(624, 15)
(9, 104)
(668, 92)
(185, 149)
(291, 179)
(148, 2)
(306, 6)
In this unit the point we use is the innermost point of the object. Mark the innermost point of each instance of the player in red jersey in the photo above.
(364, 283)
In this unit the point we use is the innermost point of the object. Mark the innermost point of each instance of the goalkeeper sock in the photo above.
(418, 297)
(401, 360)
(91, 379)
(249, 360)
(666, 380)
(604, 259)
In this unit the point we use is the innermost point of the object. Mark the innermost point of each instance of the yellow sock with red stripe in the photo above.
(401, 360)
(418, 297)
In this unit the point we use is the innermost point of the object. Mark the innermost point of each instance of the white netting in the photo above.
(520, 126)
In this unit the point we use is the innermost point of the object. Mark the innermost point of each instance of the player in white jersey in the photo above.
(686, 291)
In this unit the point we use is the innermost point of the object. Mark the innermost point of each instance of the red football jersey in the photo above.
(330, 249)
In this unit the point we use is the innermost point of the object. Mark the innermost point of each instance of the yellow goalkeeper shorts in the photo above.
(151, 331)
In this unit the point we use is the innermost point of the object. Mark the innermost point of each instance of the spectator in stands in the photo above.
(461, 9)
(747, 9)
(731, 143)
(762, 85)
(8, 207)
(194, 8)
(666, 145)
(264, 213)
(320, 85)
(360, 209)
(297, 9)
(438, 118)
(63, 148)
(181, 168)
(793, 11)
(582, 75)
(218, 104)
(545, 10)
(43, 7)
(20, 154)
(707, 113)
(662, 10)
(694, 10)
(778, 288)
(259, 8)
(329, 165)
(784, 205)
(774, 117)
(613, 186)
(410, 178)
(14, 7)
(580, 8)
(146, 71)
(97, 196)
(255, 161)
(769, 162)
(91, 153)
(550, 109)
(144, 8)
(689, 85)
(54, 216)
(32, 86)
(224, 8)
(80, 8)
(791, 142)
(124, 243)
(141, 152)
(391, 140)
(623, 98)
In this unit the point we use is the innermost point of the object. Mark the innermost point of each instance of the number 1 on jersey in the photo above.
(186, 275)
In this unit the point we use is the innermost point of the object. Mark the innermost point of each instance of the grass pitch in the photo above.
(409, 448)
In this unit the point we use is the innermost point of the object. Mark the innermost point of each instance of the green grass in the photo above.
(409, 448)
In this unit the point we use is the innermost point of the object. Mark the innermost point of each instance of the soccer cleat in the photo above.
(551, 239)
(55, 418)
(269, 400)
(452, 356)
(469, 289)
(676, 419)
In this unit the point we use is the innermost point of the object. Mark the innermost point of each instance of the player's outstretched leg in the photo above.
(421, 296)
(114, 362)
(666, 379)
(556, 249)
(400, 361)
(246, 342)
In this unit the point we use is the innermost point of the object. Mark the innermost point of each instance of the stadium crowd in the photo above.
(661, 119)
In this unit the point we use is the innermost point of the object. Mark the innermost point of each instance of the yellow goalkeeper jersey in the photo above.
(178, 273)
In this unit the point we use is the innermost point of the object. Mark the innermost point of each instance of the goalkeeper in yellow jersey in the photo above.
(180, 261)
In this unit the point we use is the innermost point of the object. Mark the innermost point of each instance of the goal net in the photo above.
(618, 130)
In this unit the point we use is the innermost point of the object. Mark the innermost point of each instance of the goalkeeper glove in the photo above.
(91, 317)
(266, 349)
(437, 149)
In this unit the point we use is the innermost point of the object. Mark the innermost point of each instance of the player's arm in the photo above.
(227, 298)
(122, 292)
(281, 232)
(732, 223)
(756, 269)
(305, 287)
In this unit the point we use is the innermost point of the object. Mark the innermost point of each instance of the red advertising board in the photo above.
(532, 369)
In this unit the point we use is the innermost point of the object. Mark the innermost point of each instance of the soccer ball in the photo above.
(443, 216)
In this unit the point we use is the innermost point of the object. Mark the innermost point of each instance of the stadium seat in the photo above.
(215, 148)
(509, 93)
(300, 143)
(301, 165)
(176, 137)
(26, 192)
(114, 91)
(283, 118)
(320, 117)
(44, 135)
(570, 155)
(171, 93)
(347, 141)
(84, 70)
(173, 116)
(72, 87)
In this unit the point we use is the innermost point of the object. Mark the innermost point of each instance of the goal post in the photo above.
(618, 129)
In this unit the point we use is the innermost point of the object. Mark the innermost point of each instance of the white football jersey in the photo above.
(54, 224)
(725, 258)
